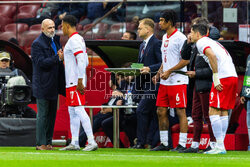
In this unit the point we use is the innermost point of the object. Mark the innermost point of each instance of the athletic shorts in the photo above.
(224, 99)
(74, 97)
(174, 96)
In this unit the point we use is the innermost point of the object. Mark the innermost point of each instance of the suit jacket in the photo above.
(203, 73)
(151, 58)
(48, 79)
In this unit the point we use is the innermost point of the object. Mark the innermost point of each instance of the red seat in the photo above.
(97, 32)
(131, 26)
(7, 35)
(19, 27)
(31, 9)
(24, 15)
(176, 128)
(27, 38)
(114, 35)
(7, 10)
(116, 27)
(79, 27)
(35, 27)
(63, 38)
(4, 21)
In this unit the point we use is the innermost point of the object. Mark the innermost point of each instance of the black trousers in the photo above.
(45, 121)
(147, 121)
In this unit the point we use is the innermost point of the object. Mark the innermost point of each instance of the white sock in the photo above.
(224, 123)
(195, 144)
(249, 136)
(183, 139)
(86, 124)
(74, 126)
(212, 144)
(217, 130)
(164, 137)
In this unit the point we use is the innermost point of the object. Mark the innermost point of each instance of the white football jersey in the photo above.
(74, 46)
(224, 60)
(171, 56)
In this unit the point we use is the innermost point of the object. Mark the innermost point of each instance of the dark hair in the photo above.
(169, 15)
(70, 19)
(200, 20)
(133, 35)
(201, 28)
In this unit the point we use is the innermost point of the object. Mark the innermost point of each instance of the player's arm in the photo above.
(157, 76)
(81, 69)
(213, 63)
(178, 66)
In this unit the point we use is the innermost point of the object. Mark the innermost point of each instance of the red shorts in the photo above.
(172, 96)
(226, 98)
(74, 98)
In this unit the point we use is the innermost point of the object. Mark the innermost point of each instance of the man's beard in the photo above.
(50, 35)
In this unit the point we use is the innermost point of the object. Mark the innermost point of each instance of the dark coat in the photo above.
(203, 73)
(151, 58)
(48, 79)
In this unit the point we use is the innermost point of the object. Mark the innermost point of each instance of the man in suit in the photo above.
(150, 57)
(48, 81)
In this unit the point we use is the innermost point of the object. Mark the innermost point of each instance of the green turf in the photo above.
(28, 156)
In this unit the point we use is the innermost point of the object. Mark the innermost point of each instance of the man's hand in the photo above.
(191, 74)
(80, 86)
(217, 83)
(156, 78)
(60, 54)
(242, 100)
(119, 102)
(105, 110)
(145, 70)
(189, 38)
(219, 87)
(61, 16)
(165, 75)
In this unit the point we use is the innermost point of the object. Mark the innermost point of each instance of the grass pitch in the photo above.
(29, 157)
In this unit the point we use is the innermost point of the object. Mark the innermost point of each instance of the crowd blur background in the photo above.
(21, 19)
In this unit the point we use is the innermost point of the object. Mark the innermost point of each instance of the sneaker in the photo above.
(190, 150)
(90, 147)
(179, 148)
(70, 147)
(161, 147)
(216, 151)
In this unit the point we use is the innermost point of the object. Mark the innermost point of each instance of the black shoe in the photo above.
(190, 150)
(179, 148)
(161, 147)
(139, 146)
(208, 149)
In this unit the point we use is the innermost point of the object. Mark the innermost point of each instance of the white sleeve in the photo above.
(79, 50)
(78, 46)
(202, 45)
(81, 65)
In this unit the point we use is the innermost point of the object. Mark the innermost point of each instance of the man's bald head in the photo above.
(48, 28)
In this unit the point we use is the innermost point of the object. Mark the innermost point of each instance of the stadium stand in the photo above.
(20, 27)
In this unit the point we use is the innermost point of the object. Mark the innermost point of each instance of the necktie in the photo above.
(53, 45)
(142, 51)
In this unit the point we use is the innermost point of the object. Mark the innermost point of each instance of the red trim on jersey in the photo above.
(73, 34)
(205, 49)
(172, 33)
(75, 54)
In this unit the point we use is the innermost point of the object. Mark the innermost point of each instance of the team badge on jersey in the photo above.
(166, 43)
